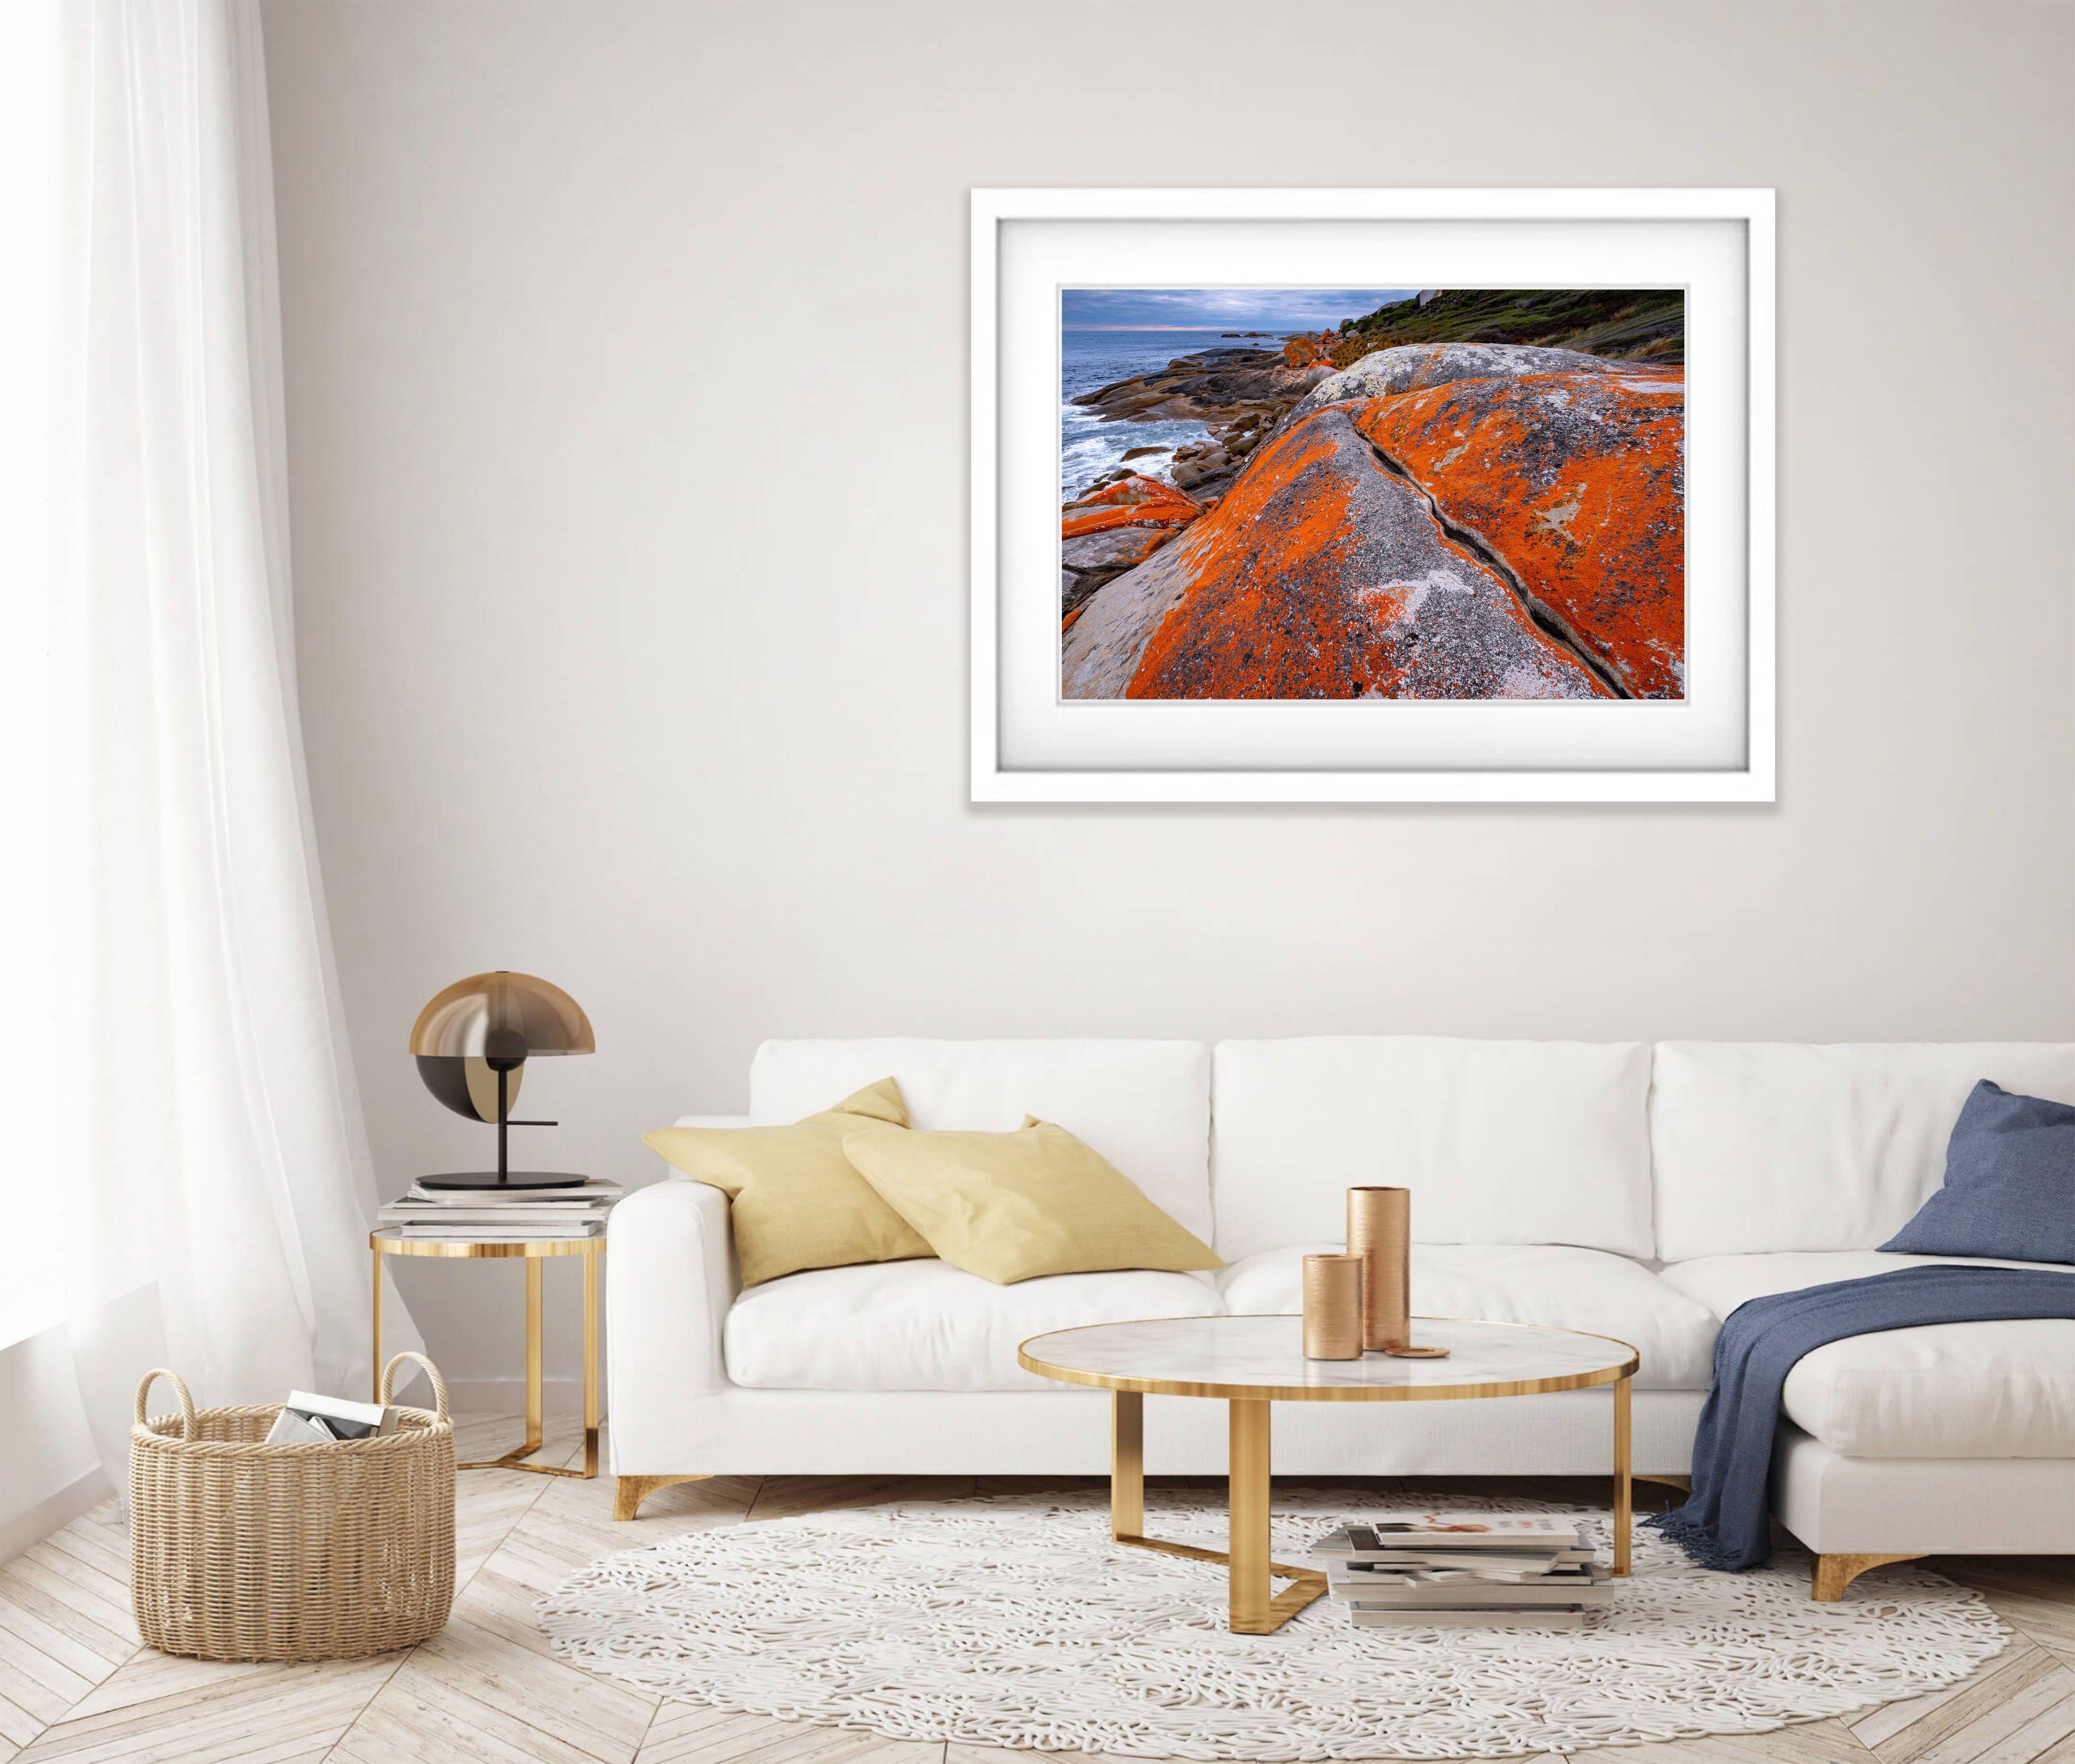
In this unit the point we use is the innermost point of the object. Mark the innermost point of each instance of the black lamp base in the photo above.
(491, 1181)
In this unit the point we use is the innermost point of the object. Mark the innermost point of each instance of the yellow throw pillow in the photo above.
(795, 1199)
(1010, 1206)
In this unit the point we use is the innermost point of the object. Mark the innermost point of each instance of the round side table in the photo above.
(392, 1242)
(1253, 1361)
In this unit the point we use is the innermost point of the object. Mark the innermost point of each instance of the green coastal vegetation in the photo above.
(1630, 323)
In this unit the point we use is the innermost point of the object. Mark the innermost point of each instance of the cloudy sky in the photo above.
(1218, 309)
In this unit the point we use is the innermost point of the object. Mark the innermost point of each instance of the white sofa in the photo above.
(1632, 1191)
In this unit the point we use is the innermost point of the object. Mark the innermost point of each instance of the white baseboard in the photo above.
(507, 1395)
(26, 1531)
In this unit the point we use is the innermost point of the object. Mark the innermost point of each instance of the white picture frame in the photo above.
(1028, 745)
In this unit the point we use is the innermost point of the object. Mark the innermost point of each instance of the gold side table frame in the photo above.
(1255, 1607)
(391, 1242)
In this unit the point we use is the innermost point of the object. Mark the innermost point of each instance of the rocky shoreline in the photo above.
(1239, 394)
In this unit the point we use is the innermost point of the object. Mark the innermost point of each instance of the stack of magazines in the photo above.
(1527, 1570)
(308, 1420)
(577, 1209)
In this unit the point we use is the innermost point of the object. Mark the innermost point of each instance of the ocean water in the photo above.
(1090, 447)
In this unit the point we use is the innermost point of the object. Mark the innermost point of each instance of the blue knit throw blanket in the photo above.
(1725, 1521)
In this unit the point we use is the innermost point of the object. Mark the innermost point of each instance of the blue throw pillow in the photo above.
(2009, 1183)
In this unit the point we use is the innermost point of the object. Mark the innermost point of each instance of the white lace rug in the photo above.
(1014, 1622)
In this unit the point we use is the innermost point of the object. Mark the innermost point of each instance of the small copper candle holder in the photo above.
(1333, 1307)
(1380, 1232)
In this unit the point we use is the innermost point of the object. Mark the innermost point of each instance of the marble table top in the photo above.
(1263, 1357)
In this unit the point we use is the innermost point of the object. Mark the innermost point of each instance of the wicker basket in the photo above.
(244, 1552)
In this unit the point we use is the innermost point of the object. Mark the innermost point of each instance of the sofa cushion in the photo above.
(1020, 1206)
(2010, 1182)
(2003, 1389)
(795, 1199)
(928, 1325)
(1761, 1146)
(1146, 1105)
(1514, 1142)
(1674, 1336)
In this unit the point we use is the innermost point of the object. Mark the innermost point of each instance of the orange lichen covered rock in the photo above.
(1302, 351)
(1576, 481)
(1115, 529)
(1135, 502)
(1320, 575)
(1115, 549)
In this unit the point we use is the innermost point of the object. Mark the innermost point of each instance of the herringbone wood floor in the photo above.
(75, 1685)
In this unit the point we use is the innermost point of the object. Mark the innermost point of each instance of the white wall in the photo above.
(49, 1472)
(626, 359)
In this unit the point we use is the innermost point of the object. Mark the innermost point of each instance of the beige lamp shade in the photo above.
(500, 1017)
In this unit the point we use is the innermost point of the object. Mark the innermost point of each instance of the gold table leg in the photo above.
(1127, 1466)
(375, 1369)
(535, 1373)
(1249, 1571)
(1246, 1502)
(1624, 1485)
(535, 1359)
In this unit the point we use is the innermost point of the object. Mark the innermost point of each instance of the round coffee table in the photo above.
(1253, 1361)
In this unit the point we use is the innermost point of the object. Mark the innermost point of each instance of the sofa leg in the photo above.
(630, 1491)
(1834, 1573)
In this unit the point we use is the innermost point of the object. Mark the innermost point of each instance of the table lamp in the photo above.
(472, 1042)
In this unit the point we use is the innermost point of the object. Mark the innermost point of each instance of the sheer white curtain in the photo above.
(29, 1067)
(211, 1144)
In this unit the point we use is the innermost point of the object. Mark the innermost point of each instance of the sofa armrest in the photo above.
(672, 1279)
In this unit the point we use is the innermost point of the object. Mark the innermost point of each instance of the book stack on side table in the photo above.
(485, 1215)
(1524, 1571)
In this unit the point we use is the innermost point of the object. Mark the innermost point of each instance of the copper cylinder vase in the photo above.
(1380, 1232)
(1333, 1307)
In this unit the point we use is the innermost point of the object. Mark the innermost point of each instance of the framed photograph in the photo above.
(1373, 495)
